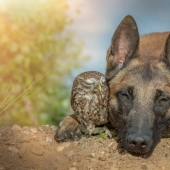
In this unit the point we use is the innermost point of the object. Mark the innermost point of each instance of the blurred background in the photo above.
(45, 44)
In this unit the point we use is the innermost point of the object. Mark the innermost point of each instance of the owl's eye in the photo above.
(86, 85)
(90, 81)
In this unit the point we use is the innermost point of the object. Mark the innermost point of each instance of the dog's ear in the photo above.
(124, 46)
(165, 57)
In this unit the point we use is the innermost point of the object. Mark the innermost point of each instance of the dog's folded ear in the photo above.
(124, 46)
(165, 57)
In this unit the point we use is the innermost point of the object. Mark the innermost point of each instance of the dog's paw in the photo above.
(68, 130)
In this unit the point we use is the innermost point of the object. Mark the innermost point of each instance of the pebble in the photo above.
(114, 148)
(36, 151)
(23, 150)
(92, 155)
(60, 148)
(103, 158)
(33, 130)
(114, 168)
(26, 130)
(110, 144)
(73, 168)
(63, 146)
(53, 128)
(16, 127)
(81, 167)
(102, 152)
(24, 139)
(13, 149)
(89, 166)
(48, 139)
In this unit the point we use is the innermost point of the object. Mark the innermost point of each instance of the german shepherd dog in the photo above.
(138, 77)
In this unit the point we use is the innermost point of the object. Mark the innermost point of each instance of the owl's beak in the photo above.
(100, 88)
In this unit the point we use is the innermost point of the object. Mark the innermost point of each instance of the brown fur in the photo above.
(138, 77)
(153, 44)
(139, 84)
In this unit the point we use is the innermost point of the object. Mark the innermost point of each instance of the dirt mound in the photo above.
(35, 149)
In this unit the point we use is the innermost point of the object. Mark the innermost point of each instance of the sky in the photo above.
(98, 19)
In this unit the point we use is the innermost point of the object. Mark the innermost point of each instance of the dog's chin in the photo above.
(138, 152)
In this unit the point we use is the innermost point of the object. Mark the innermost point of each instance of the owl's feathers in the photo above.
(89, 99)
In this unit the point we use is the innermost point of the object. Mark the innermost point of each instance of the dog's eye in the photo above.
(125, 95)
(163, 100)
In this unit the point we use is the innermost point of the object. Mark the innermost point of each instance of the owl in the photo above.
(89, 99)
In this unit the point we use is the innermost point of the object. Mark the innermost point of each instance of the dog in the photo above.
(138, 77)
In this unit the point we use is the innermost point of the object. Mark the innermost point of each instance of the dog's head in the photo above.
(139, 83)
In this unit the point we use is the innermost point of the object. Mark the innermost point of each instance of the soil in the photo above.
(30, 148)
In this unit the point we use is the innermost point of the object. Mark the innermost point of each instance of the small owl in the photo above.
(89, 99)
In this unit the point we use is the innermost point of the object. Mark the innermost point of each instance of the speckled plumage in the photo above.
(89, 99)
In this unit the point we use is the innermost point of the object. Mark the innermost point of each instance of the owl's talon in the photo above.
(99, 130)
(83, 129)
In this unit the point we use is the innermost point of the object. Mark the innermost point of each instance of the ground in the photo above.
(30, 148)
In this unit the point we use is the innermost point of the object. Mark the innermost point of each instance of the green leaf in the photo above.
(102, 135)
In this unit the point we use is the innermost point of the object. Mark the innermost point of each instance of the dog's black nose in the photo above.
(138, 142)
